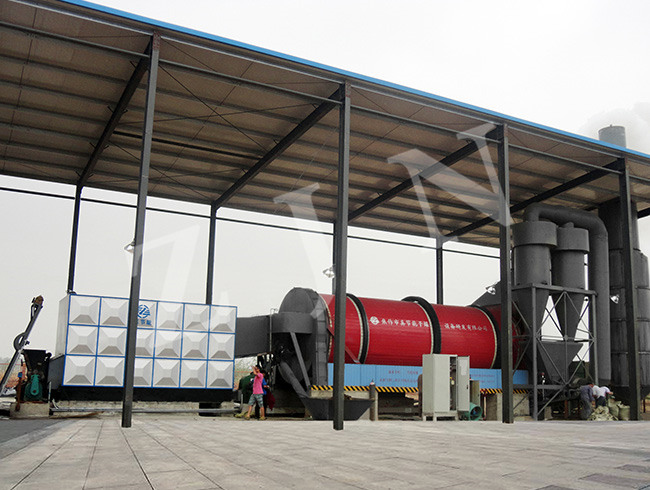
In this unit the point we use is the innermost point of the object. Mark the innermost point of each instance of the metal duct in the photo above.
(598, 271)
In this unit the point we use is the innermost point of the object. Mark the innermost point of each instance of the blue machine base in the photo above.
(407, 376)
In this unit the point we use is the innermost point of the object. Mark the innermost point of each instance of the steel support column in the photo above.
(341, 255)
(209, 283)
(506, 277)
(73, 239)
(535, 329)
(634, 369)
(143, 184)
(440, 283)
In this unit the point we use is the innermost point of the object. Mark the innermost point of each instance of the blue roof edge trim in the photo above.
(346, 73)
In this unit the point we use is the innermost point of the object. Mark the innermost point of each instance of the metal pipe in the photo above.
(145, 410)
(598, 270)
(241, 221)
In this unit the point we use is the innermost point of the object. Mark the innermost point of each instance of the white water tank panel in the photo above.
(113, 312)
(111, 342)
(193, 374)
(143, 373)
(82, 340)
(220, 374)
(222, 347)
(166, 373)
(79, 371)
(144, 344)
(168, 344)
(223, 319)
(195, 345)
(196, 317)
(179, 345)
(170, 316)
(109, 371)
(84, 310)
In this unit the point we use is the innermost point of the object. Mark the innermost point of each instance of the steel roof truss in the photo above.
(114, 120)
(313, 118)
(447, 161)
(578, 181)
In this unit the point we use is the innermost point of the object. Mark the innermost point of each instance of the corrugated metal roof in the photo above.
(221, 106)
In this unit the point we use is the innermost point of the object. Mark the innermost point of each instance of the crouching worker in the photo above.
(600, 395)
(257, 398)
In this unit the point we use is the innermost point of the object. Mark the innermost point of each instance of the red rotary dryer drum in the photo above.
(391, 332)
(467, 331)
(399, 332)
(355, 336)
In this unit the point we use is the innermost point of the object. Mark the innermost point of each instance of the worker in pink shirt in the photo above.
(258, 394)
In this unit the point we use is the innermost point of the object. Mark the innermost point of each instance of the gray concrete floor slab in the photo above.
(170, 452)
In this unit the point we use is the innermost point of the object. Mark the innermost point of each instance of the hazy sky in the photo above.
(576, 66)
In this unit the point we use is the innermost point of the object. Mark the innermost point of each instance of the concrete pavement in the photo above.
(169, 452)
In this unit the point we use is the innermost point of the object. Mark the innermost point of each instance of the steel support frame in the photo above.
(506, 276)
(72, 264)
(112, 123)
(634, 369)
(440, 280)
(317, 73)
(535, 330)
(536, 337)
(312, 119)
(340, 256)
(212, 239)
(120, 109)
(30, 31)
(557, 190)
(134, 296)
(428, 172)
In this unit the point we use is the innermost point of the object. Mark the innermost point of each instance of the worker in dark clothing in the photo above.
(586, 397)
(246, 388)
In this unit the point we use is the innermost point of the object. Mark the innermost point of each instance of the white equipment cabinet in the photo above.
(445, 385)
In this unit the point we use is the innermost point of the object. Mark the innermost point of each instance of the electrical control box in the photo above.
(445, 385)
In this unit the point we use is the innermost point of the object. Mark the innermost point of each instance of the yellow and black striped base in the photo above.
(494, 391)
(380, 389)
(404, 389)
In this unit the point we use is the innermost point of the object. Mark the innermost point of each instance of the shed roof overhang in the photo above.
(247, 128)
